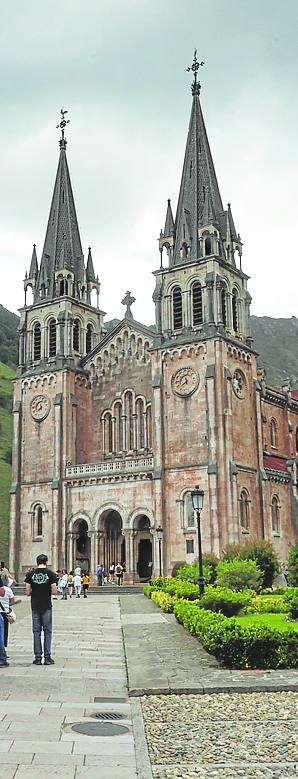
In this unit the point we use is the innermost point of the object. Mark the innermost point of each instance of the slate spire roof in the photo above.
(34, 264)
(199, 202)
(62, 247)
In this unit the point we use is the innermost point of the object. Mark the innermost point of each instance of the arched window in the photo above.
(184, 250)
(149, 427)
(177, 308)
(208, 246)
(37, 342)
(275, 524)
(52, 338)
(76, 336)
(39, 521)
(297, 440)
(89, 334)
(118, 427)
(235, 310)
(140, 424)
(190, 511)
(223, 296)
(244, 510)
(129, 422)
(273, 433)
(197, 309)
(108, 433)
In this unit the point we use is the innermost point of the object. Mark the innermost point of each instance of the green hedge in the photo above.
(237, 646)
(225, 600)
(164, 601)
(273, 604)
(182, 589)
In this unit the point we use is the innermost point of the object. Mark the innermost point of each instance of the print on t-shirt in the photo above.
(41, 581)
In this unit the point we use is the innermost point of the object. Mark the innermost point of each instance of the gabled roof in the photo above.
(62, 246)
(275, 463)
(133, 326)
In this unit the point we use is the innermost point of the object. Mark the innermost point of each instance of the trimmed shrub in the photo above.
(291, 601)
(239, 575)
(164, 601)
(227, 601)
(293, 567)
(183, 589)
(273, 604)
(237, 646)
(190, 573)
(147, 590)
(262, 552)
(280, 590)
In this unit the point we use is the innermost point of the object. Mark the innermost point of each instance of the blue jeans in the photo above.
(2, 648)
(42, 622)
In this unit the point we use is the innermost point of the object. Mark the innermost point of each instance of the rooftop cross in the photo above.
(196, 86)
(62, 126)
(127, 301)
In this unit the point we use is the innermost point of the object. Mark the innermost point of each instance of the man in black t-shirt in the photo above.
(41, 584)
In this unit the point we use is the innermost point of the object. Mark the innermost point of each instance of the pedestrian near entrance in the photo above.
(77, 582)
(119, 573)
(85, 582)
(70, 583)
(64, 581)
(100, 572)
(40, 585)
(3, 655)
(112, 572)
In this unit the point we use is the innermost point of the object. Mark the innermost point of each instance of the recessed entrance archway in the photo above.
(143, 548)
(112, 542)
(82, 545)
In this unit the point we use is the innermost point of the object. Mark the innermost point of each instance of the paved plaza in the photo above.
(118, 654)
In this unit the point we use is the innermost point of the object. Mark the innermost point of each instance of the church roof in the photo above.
(62, 247)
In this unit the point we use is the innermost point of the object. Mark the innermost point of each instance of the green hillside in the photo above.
(8, 337)
(6, 388)
(276, 341)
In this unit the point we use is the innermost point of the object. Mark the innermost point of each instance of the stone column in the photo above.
(70, 321)
(127, 532)
(61, 333)
(15, 523)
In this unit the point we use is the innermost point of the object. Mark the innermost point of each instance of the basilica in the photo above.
(115, 422)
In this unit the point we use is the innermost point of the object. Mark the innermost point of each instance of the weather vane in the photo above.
(196, 86)
(62, 125)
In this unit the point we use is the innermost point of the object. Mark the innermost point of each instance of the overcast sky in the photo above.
(119, 67)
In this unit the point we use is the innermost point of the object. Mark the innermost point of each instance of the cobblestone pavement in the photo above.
(223, 736)
(39, 705)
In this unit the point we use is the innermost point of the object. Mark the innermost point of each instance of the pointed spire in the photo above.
(62, 246)
(34, 264)
(208, 216)
(90, 269)
(231, 224)
(169, 223)
(198, 183)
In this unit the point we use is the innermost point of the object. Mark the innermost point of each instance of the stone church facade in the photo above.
(115, 422)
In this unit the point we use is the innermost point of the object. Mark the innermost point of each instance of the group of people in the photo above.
(73, 583)
(116, 572)
(7, 616)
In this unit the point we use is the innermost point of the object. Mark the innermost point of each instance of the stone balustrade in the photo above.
(124, 465)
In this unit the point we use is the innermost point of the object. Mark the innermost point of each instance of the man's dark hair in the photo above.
(2, 564)
(1, 582)
(41, 559)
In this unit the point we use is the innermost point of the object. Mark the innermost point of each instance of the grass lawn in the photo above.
(278, 621)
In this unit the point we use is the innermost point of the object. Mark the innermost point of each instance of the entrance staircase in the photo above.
(107, 589)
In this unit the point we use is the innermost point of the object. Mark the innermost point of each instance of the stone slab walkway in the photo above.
(39, 705)
(162, 658)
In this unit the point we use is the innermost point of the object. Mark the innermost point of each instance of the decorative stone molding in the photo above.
(36, 382)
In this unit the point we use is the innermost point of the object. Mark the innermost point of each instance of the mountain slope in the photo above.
(276, 341)
(6, 390)
(8, 337)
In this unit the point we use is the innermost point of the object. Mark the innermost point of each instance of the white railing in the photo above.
(133, 464)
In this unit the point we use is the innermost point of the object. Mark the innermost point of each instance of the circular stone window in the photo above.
(239, 383)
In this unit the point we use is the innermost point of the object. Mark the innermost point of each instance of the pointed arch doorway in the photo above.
(143, 547)
(82, 545)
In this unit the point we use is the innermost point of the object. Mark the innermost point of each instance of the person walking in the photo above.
(77, 582)
(3, 656)
(100, 574)
(112, 572)
(40, 585)
(85, 582)
(7, 599)
(64, 581)
(70, 583)
(119, 573)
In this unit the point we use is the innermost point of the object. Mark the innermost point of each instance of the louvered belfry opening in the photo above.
(177, 308)
(197, 308)
(37, 342)
(52, 338)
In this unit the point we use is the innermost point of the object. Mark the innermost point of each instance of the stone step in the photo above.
(113, 589)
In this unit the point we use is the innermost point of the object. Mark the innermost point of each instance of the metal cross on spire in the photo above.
(62, 126)
(196, 86)
(127, 301)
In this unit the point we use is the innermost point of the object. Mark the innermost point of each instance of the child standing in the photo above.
(70, 583)
(77, 582)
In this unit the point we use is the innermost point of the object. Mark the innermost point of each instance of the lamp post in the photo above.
(159, 533)
(197, 497)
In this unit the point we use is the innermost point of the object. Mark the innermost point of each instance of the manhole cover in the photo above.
(108, 715)
(99, 729)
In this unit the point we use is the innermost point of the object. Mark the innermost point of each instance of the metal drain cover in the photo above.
(99, 729)
(108, 715)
